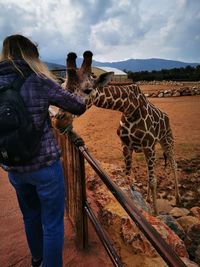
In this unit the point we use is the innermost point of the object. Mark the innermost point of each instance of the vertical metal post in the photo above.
(84, 200)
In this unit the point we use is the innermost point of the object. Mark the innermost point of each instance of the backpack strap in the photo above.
(17, 84)
(19, 81)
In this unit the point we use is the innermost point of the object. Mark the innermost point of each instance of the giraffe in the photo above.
(142, 124)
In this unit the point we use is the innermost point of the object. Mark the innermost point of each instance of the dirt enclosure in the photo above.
(98, 129)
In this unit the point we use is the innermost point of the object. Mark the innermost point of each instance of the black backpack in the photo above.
(19, 138)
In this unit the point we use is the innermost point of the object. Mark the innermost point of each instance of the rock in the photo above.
(161, 94)
(179, 212)
(167, 94)
(185, 91)
(134, 239)
(197, 255)
(192, 240)
(189, 196)
(154, 95)
(130, 247)
(194, 233)
(176, 93)
(121, 227)
(187, 222)
(173, 224)
(195, 211)
(139, 184)
(137, 199)
(93, 182)
(197, 91)
(170, 237)
(164, 206)
(189, 263)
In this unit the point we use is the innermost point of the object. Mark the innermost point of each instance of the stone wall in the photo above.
(182, 91)
(175, 88)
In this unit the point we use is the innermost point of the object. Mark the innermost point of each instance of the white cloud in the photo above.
(112, 29)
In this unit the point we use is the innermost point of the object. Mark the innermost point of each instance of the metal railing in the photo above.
(74, 155)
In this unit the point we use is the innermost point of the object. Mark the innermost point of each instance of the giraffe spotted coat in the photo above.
(142, 124)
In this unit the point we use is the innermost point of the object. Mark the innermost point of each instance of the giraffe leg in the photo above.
(127, 152)
(152, 180)
(168, 150)
(174, 169)
(148, 199)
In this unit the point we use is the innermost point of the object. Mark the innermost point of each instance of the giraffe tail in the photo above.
(165, 159)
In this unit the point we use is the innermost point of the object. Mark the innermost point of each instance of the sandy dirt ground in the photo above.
(13, 246)
(98, 129)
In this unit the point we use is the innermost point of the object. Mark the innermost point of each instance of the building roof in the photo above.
(116, 71)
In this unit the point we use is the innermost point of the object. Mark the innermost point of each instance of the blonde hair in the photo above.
(19, 47)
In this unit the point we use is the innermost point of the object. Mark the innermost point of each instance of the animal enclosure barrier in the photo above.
(78, 208)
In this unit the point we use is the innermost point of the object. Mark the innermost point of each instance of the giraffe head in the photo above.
(81, 81)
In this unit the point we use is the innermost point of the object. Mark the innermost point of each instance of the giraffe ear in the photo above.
(104, 79)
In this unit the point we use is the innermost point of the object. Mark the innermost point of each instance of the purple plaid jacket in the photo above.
(38, 93)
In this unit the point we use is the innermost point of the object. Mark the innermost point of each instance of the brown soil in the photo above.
(98, 129)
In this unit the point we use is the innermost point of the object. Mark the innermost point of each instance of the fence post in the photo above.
(74, 172)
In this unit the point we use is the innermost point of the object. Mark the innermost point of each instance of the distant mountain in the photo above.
(145, 64)
(134, 64)
(54, 66)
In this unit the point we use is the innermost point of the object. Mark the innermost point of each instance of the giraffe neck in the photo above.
(123, 98)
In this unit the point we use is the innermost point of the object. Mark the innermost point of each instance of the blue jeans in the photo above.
(41, 197)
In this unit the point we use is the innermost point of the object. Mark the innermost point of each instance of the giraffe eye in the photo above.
(87, 91)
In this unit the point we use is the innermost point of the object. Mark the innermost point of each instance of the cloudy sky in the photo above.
(113, 29)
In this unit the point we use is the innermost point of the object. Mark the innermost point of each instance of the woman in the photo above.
(39, 183)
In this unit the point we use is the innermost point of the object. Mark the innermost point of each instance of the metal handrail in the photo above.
(164, 250)
(103, 237)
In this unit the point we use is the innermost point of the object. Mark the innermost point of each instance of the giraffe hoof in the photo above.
(178, 200)
(155, 213)
(127, 173)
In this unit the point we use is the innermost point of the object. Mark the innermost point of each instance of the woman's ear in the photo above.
(104, 79)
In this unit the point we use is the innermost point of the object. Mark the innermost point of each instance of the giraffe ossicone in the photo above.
(142, 124)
